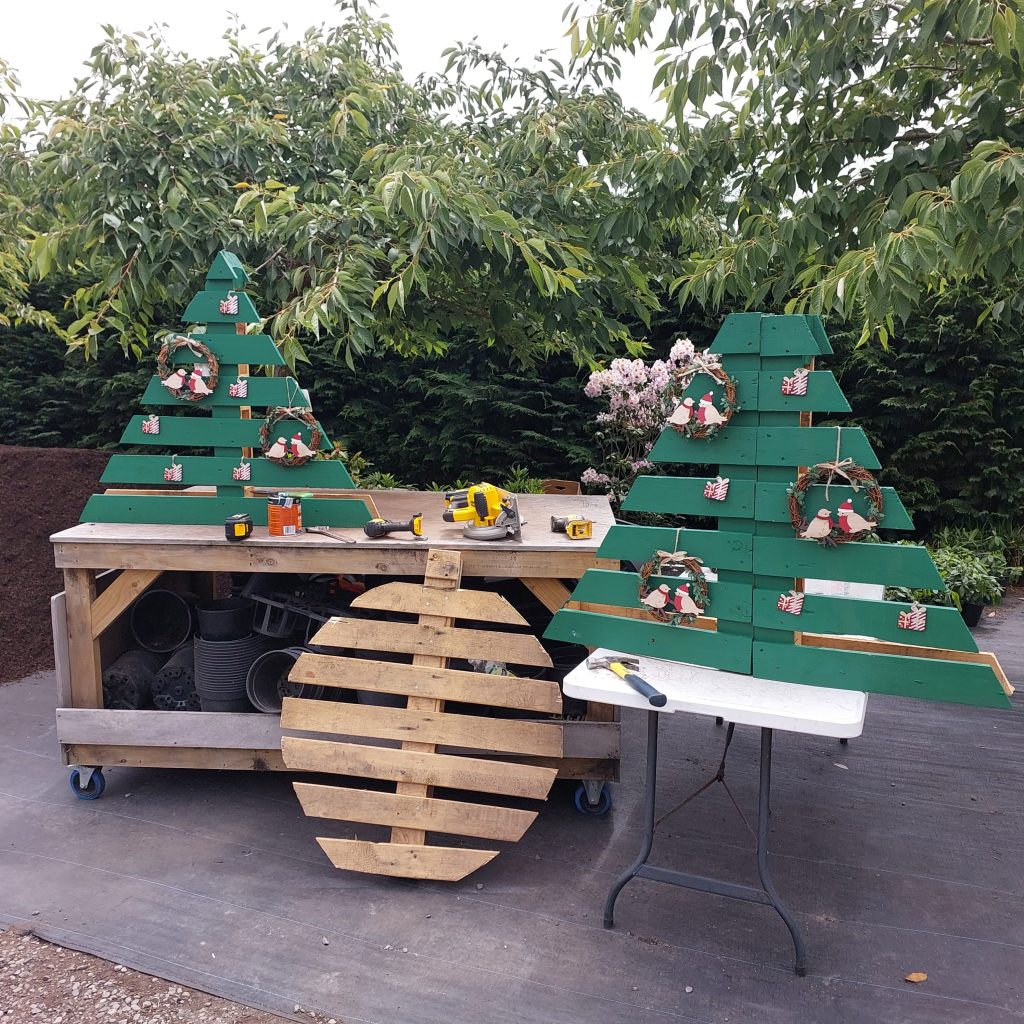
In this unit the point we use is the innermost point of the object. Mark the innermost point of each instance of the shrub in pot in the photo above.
(970, 585)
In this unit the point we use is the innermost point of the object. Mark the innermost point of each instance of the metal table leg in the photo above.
(766, 895)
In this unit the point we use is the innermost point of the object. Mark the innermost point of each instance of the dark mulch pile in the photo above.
(43, 491)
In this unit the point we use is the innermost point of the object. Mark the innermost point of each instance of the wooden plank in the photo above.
(208, 510)
(719, 549)
(475, 774)
(807, 446)
(423, 681)
(445, 864)
(685, 496)
(264, 392)
(200, 431)
(119, 595)
(793, 334)
(255, 349)
(83, 645)
(415, 599)
(425, 726)
(427, 640)
(945, 627)
(653, 639)
(919, 677)
(216, 730)
(454, 817)
(551, 593)
(770, 503)
(61, 656)
(109, 755)
(740, 333)
(580, 739)
(823, 392)
(602, 586)
(207, 470)
(205, 308)
(736, 446)
(892, 564)
(702, 621)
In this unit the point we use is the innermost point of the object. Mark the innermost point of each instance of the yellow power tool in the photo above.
(488, 512)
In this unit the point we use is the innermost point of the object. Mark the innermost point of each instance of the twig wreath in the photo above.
(848, 524)
(682, 606)
(294, 452)
(192, 387)
(704, 420)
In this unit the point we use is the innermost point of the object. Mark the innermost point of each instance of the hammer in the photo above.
(625, 669)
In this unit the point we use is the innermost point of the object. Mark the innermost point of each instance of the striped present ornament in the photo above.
(797, 384)
(793, 602)
(717, 489)
(229, 306)
(151, 425)
(916, 618)
(239, 389)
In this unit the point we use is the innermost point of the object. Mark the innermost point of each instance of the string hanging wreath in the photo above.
(179, 382)
(847, 525)
(289, 452)
(680, 606)
(704, 420)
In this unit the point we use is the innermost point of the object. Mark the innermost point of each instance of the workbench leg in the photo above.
(85, 667)
(763, 819)
(650, 787)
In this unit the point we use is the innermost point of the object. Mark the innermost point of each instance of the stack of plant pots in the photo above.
(174, 686)
(224, 652)
(268, 684)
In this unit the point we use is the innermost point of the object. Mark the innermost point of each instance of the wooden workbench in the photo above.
(92, 736)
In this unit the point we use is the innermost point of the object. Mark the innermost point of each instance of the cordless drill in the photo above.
(377, 528)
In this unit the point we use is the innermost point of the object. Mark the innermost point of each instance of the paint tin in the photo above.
(284, 515)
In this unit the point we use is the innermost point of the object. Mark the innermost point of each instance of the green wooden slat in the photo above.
(205, 308)
(818, 330)
(254, 349)
(770, 503)
(181, 510)
(607, 586)
(851, 616)
(228, 268)
(736, 445)
(718, 549)
(898, 676)
(198, 469)
(685, 495)
(740, 333)
(746, 388)
(890, 564)
(807, 446)
(204, 432)
(263, 393)
(791, 335)
(652, 639)
(823, 393)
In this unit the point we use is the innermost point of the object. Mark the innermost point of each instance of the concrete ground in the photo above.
(898, 853)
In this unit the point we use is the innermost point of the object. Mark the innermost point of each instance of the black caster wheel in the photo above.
(585, 807)
(91, 792)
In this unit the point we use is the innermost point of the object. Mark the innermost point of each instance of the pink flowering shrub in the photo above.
(635, 415)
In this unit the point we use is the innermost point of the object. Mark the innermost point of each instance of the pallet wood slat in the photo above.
(263, 392)
(119, 595)
(211, 758)
(394, 765)
(454, 817)
(770, 503)
(685, 496)
(211, 470)
(200, 432)
(234, 349)
(221, 730)
(718, 549)
(422, 726)
(445, 864)
(413, 599)
(423, 681)
(424, 639)
(823, 392)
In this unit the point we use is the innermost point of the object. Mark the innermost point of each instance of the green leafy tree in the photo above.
(524, 207)
(871, 151)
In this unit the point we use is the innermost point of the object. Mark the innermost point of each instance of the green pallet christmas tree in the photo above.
(764, 625)
(217, 389)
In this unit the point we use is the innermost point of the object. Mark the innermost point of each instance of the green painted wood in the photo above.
(199, 469)
(254, 349)
(740, 333)
(791, 335)
(770, 503)
(823, 392)
(736, 445)
(895, 675)
(227, 267)
(685, 495)
(889, 564)
(652, 639)
(719, 550)
(849, 616)
(817, 327)
(181, 510)
(204, 432)
(807, 446)
(205, 309)
(263, 393)
(746, 389)
(607, 586)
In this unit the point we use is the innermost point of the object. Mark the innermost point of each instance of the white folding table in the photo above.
(739, 700)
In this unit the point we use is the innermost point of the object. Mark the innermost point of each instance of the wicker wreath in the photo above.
(287, 457)
(184, 391)
(841, 531)
(687, 419)
(691, 572)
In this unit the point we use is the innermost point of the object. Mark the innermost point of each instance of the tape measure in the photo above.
(574, 527)
(238, 527)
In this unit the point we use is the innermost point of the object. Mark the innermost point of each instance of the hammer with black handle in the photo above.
(625, 668)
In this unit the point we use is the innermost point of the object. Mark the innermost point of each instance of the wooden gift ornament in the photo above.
(916, 619)
(243, 471)
(172, 474)
(239, 388)
(151, 425)
(229, 305)
(797, 384)
(717, 489)
(793, 602)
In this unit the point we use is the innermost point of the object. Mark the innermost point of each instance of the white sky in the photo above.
(48, 40)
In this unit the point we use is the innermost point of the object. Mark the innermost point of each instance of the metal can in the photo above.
(284, 515)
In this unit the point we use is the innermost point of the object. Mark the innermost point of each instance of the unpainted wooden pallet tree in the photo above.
(230, 431)
(749, 626)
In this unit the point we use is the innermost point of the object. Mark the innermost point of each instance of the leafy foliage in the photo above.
(969, 579)
(871, 152)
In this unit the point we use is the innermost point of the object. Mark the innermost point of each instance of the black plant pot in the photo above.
(971, 613)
